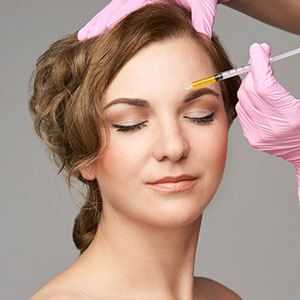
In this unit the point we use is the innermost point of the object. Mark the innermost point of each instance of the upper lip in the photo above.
(173, 179)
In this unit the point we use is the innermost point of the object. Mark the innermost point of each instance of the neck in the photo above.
(141, 258)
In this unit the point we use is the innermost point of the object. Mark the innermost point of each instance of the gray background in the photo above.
(250, 237)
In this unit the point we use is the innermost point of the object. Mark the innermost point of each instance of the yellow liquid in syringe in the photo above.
(202, 82)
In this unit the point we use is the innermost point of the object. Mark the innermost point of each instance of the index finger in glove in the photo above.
(264, 82)
(203, 15)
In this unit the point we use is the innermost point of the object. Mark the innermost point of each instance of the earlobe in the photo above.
(88, 172)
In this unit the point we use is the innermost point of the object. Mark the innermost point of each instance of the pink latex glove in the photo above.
(269, 114)
(203, 15)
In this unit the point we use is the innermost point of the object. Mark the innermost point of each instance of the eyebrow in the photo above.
(144, 103)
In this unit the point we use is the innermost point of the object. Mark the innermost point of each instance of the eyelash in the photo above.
(132, 128)
(206, 119)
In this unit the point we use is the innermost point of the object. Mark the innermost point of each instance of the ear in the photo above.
(88, 172)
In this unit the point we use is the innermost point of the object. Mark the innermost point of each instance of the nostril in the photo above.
(173, 150)
(171, 143)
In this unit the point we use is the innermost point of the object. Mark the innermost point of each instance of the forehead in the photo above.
(161, 69)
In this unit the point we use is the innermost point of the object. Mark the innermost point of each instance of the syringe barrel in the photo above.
(246, 68)
(235, 72)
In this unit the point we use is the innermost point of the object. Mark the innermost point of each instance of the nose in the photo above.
(170, 142)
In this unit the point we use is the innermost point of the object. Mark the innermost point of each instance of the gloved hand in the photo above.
(203, 15)
(269, 114)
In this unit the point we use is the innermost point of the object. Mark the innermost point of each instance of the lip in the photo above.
(173, 184)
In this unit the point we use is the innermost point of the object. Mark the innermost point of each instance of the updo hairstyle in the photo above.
(70, 78)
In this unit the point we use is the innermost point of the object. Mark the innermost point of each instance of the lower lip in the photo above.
(173, 187)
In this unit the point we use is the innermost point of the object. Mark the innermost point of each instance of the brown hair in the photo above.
(71, 77)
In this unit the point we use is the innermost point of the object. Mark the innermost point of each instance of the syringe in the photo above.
(235, 72)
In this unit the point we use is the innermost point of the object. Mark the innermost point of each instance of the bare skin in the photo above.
(204, 289)
(145, 245)
(93, 275)
(284, 14)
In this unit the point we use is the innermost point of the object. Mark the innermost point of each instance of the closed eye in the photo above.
(135, 127)
(205, 119)
(130, 128)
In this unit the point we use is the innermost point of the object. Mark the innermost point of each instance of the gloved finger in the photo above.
(243, 94)
(266, 86)
(246, 112)
(266, 48)
(111, 14)
(257, 110)
(94, 27)
(203, 15)
(261, 69)
(249, 128)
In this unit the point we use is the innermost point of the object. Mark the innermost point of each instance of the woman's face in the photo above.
(167, 148)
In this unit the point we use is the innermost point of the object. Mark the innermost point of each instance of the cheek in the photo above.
(210, 150)
(118, 170)
(211, 144)
(217, 143)
(218, 151)
(121, 160)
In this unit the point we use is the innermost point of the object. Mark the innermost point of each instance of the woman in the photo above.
(268, 114)
(114, 113)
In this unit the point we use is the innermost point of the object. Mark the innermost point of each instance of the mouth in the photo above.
(171, 184)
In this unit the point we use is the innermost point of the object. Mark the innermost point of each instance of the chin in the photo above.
(177, 212)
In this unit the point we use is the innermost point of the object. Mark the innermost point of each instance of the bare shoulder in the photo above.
(213, 290)
(60, 295)
(41, 295)
(61, 288)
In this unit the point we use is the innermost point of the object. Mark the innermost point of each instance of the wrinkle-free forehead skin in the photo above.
(169, 144)
(157, 71)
